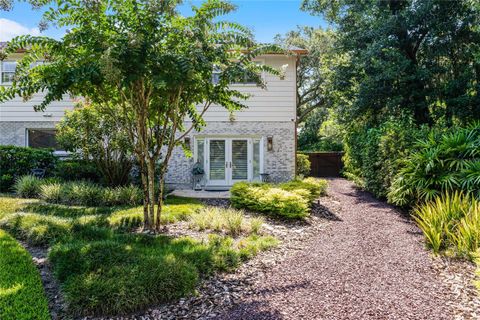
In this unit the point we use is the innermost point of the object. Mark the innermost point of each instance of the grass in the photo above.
(103, 270)
(21, 291)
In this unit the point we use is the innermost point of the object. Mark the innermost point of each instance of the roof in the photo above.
(296, 50)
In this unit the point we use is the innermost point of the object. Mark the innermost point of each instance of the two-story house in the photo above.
(232, 147)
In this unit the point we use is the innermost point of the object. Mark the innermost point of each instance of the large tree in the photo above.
(406, 58)
(153, 64)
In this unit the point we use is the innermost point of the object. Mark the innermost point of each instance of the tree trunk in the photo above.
(160, 201)
(143, 173)
(151, 188)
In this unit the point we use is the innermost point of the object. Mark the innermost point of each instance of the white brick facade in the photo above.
(279, 162)
(15, 133)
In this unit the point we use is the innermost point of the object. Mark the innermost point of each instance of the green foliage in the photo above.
(402, 59)
(21, 289)
(316, 187)
(231, 221)
(81, 193)
(372, 154)
(451, 221)
(175, 209)
(76, 169)
(18, 161)
(252, 245)
(321, 132)
(441, 163)
(98, 137)
(303, 164)
(477, 260)
(28, 186)
(270, 199)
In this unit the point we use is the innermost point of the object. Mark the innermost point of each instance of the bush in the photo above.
(451, 221)
(51, 192)
(372, 153)
(21, 289)
(271, 199)
(442, 163)
(303, 164)
(28, 187)
(252, 245)
(75, 170)
(19, 161)
(315, 187)
(231, 221)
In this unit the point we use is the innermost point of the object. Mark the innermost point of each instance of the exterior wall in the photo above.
(279, 163)
(276, 102)
(14, 132)
(22, 111)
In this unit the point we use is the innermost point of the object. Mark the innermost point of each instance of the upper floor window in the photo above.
(7, 71)
(247, 78)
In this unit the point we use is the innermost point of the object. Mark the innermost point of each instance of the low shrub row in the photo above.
(21, 290)
(81, 193)
(290, 200)
(451, 222)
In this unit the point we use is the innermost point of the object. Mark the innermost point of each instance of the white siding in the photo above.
(19, 110)
(277, 102)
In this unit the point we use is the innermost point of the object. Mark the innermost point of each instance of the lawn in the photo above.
(106, 267)
(21, 291)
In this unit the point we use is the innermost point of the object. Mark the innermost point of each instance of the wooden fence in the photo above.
(325, 164)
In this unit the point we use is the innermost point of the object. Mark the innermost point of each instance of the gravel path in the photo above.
(367, 264)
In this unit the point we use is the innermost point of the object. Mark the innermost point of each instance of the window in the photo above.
(7, 69)
(256, 159)
(200, 152)
(216, 75)
(42, 138)
(247, 78)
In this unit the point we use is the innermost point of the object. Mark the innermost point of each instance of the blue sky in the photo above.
(266, 18)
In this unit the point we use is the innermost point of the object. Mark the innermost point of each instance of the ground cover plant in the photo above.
(21, 292)
(289, 200)
(451, 222)
(105, 271)
(83, 193)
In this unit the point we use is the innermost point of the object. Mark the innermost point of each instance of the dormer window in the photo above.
(7, 70)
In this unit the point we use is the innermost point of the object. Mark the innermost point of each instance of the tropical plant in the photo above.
(441, 163)
(449, 221)
(150, 62)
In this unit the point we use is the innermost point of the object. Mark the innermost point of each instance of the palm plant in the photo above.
(441, 163)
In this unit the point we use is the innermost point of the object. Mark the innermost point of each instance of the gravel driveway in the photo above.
(369, 263)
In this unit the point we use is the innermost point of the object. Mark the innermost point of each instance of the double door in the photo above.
(229, 160)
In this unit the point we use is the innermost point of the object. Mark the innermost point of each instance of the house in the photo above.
(244, 146)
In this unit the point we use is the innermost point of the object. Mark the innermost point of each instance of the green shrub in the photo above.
(450, 221)
(19, 161)
(21, 291)
(316, 187)
(234, 221)
(303, 164)
(271, 199)
(76, 170)
(445, 162)
(28, 186)
(231, 221)
(372, 153)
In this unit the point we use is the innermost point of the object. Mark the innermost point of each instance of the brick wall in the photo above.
(279, 163)
(14, 133)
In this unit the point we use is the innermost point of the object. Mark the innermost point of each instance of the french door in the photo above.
(228, 160)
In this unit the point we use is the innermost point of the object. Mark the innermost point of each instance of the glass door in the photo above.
(238, 166)
(217, 173)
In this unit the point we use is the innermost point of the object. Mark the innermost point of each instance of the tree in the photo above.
(143, 57)
(406, 58)
(314, 70)
(98, 135)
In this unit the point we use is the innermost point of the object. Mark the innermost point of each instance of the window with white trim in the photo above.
(7, 71)
(246, 78)
(257, 159)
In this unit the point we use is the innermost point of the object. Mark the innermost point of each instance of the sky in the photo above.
(266, 18)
